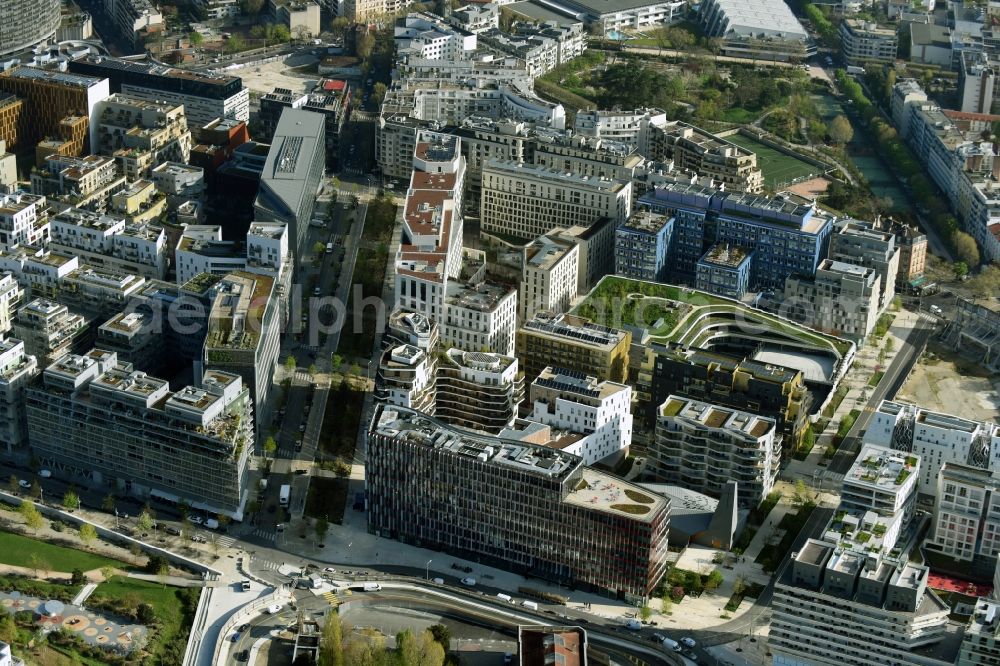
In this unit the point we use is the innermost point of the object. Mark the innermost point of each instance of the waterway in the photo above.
(861, 153)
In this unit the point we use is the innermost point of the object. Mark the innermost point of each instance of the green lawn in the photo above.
(17, 550)
(778, 167)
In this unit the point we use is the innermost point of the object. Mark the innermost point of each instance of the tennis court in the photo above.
(779, 169)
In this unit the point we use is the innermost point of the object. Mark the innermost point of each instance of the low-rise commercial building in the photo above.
(556, 518)
(105, 424)
(702, 446)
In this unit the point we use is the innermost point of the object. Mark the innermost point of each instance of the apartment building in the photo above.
(966, 522)
(592, 416)
(642, 246)
(573, 343)
(562, 150)
(205, 97)
(23, 220)
(50, 96)
(526, 200)
(26, 23)
(139, 203)
(407, 377)
(787, 234)
(603, 18)
(842, 299)
(476, 18)
(703, 446)
(180, 182)
(630, 126)
(549, 274)
(864, 42)
(85, 182)
(17, 370)
(411, 328)
(479, 316)
(693, 149)
(977, 82)
(723, 379)
(435, 486)
(301, 17)
(883, 482)
(570, 38)
(49, 330)
(109, 243)
(110, 426)
(11, 295)
(477, 390)
(938, 439)
(291, 177)
(980, 642)
(135, 338)
(140, 135)
(724, 270)
(133, 20)
(244, 334)
(330, 97)
(97, 293)
(37, 269)
(871, 245)
(832, 606)
(219, 9)
(427, 37)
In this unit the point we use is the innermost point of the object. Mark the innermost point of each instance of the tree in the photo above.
(739, 586)
(379, 92)
(71, 501)
(144, 522)
(108, 504)
(270, 446)
(32, 518)
(889, 344)
(714, 580)
(107, 572)
(88, 533)
(363, 45)
(987, 283)
(319, 247)
(313, 369)
(77, 578)
(322, 527)
(249, 7)
(339, 26)
(235, 44)
(420, 650)
(336, 361)
(331, 642)
(801, 494)
(841, 131)
(645, 613)
(155, 563)
(145, 614)
(960, 268)
(666, 603)
(965, 248)
(281, 33)
(186, 527)
(290, 363)
(38, 563)
(195, 38)
(442, 634)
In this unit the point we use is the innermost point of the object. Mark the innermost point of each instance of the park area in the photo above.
(124, 620)
(779, 168)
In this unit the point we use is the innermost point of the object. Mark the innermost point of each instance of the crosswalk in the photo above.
(268, 533)
(266, 565)
(332, 598)
(225, 541)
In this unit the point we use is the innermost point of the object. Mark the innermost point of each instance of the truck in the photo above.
(505, 597)
(372, 587)
(530, 605)
(853, 69)
(286, 492)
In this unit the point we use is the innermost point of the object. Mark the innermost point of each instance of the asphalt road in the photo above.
(887, 389)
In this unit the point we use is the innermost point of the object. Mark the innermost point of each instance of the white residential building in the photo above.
(109, 243)
(938, 439)
(549, 274)
(49, 330)
(11, 294)
(23, 220)
(406, 378)
(180, 182)
(202, 250)
(17, 369)
(427, 37)
(597, 412)
(703, 446)
(883, 481)
(479, 317)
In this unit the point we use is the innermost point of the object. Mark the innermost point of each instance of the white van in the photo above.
(372, 587)
(505, 597)
(633, 625)
(671, 644)
(936, 310)
(212, 524)
(530, 605)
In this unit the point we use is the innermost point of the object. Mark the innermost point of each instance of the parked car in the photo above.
(196, 520)
(24, 484)
(469, 581)
(44, 473)
(688, 642)
(274, 609)
(243, 655)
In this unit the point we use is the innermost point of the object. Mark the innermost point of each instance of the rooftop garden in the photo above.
(678, 314)
(636, 496)
(634, 509)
